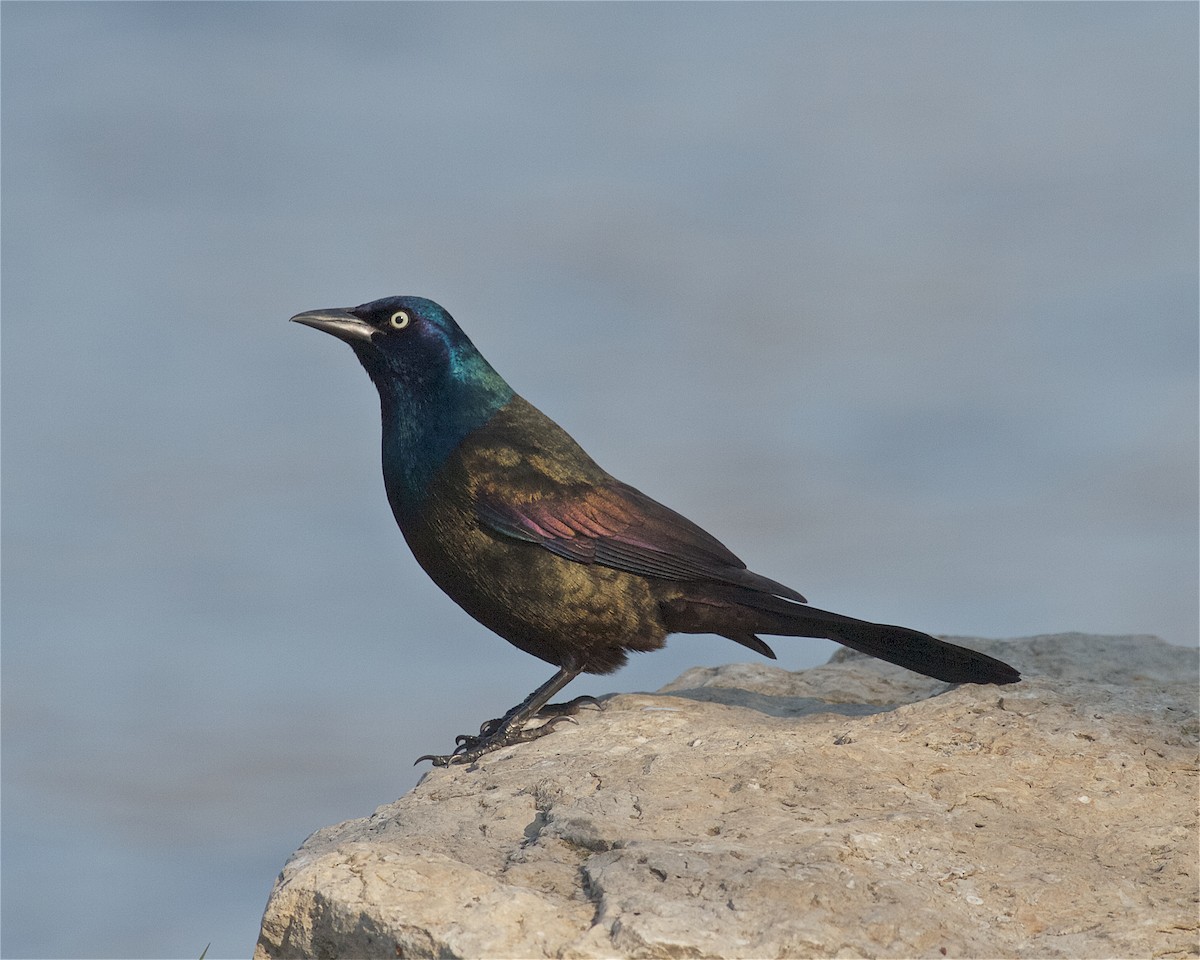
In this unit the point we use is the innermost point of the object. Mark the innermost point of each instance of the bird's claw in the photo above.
(570, 708)
(437, 760)
(469, 748)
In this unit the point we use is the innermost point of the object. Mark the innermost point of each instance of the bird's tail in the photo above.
(741, 614)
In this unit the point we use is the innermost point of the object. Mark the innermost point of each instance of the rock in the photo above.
(854, 809)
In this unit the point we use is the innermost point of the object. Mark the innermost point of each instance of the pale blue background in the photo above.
(899, 301)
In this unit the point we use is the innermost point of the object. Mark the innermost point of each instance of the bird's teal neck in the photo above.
(422, 428)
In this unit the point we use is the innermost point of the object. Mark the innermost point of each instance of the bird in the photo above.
(510, 517)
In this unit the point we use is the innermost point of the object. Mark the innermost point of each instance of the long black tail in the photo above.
(740, 614)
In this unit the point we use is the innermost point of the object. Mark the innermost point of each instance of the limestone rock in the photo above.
(854, 809)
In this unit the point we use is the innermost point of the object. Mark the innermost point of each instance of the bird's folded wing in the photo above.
(618, 526)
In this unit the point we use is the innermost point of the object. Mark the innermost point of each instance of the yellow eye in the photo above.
(400, 320)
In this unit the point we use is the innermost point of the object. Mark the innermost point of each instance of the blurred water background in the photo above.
(899, 301)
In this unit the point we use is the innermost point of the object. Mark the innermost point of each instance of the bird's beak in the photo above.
(341, 323)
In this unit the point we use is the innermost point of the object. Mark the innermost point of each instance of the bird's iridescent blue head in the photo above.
(434, 386)
(405, 342)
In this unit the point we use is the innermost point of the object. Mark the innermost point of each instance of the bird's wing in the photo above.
(618, 526)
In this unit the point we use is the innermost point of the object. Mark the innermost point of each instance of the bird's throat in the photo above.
(421, 433)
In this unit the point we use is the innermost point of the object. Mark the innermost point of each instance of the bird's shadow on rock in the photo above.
(777, 706)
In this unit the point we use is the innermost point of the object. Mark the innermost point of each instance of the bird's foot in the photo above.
(549, 711)
(492, 737)
(508, 730)
(570, 708)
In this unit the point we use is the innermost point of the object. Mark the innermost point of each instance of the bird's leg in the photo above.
(510, 728)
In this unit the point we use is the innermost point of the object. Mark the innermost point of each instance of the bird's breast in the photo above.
(551, 607)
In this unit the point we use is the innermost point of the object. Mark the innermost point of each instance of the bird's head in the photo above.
(406, 343)
(434, 386)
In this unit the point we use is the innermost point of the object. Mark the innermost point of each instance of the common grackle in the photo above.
(526, 533)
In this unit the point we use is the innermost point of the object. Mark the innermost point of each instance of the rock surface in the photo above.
(850, 810)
